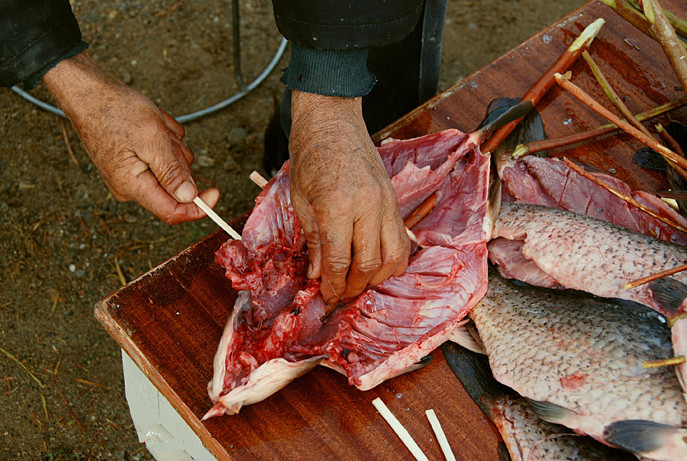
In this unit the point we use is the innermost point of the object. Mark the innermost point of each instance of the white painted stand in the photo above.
(159, 426)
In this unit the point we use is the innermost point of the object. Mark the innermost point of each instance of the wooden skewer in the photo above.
(399, 430)
(537, 146)
(624, 197)
(215, 217)
(656, 276)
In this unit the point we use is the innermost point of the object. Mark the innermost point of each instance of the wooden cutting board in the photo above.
(169, 321)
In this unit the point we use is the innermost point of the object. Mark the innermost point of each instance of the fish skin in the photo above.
(526, 436)
(580, 358)
(583, 253)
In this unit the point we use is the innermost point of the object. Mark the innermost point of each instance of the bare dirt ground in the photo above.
(65, 243)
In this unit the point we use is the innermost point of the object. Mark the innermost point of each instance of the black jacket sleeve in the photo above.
(34, 36)
(330, 40)
(343, 25)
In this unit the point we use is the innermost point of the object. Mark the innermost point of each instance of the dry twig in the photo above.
(69, 407)
(571, 88)
(67, 143)
(537, 146)
(612, 95)
(11, 356)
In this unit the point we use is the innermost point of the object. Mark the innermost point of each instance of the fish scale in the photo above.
(580, 357)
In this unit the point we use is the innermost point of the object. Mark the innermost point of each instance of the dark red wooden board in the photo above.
(170, 319)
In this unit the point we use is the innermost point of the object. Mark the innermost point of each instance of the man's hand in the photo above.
(138, 149)
(343, 197)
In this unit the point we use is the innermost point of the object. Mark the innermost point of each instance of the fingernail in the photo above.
(186, 192)
(309, 271)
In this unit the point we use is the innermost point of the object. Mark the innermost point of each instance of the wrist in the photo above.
(305, 105)
(75, 81)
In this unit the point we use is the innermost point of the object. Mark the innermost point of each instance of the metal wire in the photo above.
(187, 117)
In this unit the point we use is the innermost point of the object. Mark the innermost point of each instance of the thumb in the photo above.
(172, 174)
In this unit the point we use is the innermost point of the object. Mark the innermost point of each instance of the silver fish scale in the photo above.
(584, 253)
(579, 353)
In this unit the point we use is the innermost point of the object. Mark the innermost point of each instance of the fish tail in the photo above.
(647, 438)
(670, 294)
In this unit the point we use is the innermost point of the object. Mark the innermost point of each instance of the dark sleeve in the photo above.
(344, 25)
(34, 36)
(330, 40)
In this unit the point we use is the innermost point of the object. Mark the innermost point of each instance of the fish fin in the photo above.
(669, 293)
(645, 437)
(493, 205)
(502, 451)
(551, 412)
(467, 337)
(474, 373)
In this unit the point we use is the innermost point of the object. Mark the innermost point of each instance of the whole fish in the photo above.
(526, 436)
(579, 360)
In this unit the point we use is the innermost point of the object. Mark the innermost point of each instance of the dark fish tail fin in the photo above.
(669, 293)
(473, 371)
(648, 438)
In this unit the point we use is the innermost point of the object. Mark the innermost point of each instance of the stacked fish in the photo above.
(580, 360)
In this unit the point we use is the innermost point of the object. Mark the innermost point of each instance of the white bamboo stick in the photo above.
(399, 430)
(215, 217)
(439, 433)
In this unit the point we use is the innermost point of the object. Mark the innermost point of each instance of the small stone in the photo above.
(127, 78)
(72, 268)
(205, 160)
(237, 135)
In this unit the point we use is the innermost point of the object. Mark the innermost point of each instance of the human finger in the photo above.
(395, 249)
(153, 197)
(171, 173)
(367, 257)
(173, 124)
(336, 233)
(310, 230)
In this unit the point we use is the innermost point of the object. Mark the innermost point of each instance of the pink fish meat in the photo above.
(277, 331)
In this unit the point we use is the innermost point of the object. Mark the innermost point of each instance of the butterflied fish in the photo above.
(579, 360)
(549, 247)
(526, 436)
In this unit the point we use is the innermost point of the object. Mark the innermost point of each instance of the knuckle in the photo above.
(338, 265)
(369, 266)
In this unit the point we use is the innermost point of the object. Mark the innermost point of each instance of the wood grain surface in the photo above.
(170, 320)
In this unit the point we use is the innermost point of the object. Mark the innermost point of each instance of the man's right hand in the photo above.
(138, 148)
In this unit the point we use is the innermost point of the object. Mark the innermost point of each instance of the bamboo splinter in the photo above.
(215, 217)
(656, 276)
(624, 197)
